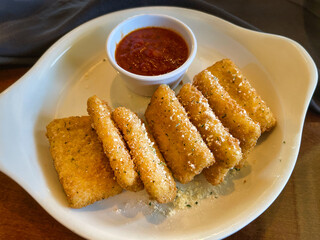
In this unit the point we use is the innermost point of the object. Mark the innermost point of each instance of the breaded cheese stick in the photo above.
(239, 88)
(179, 141)
(154, 173)
(223, 145)
(83, 168)
(231, 114)
(113, 145)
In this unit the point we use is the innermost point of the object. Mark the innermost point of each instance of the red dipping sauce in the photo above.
(151, 51)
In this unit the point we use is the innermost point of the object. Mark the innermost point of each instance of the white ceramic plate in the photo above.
(74, 69)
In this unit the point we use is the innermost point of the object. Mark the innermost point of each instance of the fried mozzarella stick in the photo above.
(179, 141)
(239, 88)
(154, 173)
(223, 145)
(113, 145)
(231, 114)
(83, 168)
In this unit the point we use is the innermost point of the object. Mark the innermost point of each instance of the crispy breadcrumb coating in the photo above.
(154, 173)
(230, 113)
(83, 168)
(113, 144)
(178, 139)
(240, 89)
(222, 144)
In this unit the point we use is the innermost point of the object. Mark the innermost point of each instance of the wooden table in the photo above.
(294, 215)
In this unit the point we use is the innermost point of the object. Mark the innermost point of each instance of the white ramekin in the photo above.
(146, 85)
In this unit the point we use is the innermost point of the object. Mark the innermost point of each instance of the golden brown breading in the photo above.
(230, 113)
(155, 175)
(113, 144)
(239, 88)
(179, 141)
(223, 145)
(83, 168)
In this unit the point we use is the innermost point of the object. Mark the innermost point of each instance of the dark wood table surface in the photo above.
(295, 214)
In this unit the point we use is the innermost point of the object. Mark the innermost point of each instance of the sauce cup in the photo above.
(146, 85)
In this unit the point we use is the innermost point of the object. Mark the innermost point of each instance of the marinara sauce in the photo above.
(151, 51)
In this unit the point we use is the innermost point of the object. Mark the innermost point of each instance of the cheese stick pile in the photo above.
(210, 127)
